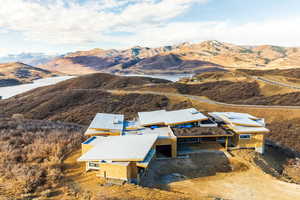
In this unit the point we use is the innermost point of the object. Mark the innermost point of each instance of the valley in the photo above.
(149, 100)
(67, 107)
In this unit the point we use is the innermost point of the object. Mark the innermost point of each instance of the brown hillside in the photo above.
(223, 91)
(292, 73)
(79, 99)
(286, 133)
(107, 81)
(18, 73)
(281, 99)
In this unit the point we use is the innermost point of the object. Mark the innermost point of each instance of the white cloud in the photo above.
(4, 51)
(277, 32)
(69, 22)
(148, 22)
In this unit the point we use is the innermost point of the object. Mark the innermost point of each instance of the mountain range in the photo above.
(28, 58)
(183, 58)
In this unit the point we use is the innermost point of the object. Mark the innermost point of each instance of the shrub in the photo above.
(30, 157)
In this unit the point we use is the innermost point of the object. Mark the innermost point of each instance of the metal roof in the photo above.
(120, 148)
(170, 117)
(245, 122)
(239, 119)
(241, 122)
(183, 116)
(107, 121)
(237, 115)
(152, 117)
(247, 129)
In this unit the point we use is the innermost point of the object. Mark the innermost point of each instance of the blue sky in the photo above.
(59, 26)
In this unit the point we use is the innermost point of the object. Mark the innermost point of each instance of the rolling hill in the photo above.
(183, 58)
(78, 100)
(19, 73)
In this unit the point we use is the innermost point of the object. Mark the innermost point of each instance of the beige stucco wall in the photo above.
(256, 140)
(123, 172)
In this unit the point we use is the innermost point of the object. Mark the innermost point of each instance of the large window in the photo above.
(245, 136)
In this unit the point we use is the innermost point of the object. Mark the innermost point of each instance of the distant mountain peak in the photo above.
(33, 59)
(181, 58)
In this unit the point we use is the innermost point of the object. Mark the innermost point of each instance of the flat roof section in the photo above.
(152, 117)
(247, 129)
(238, 115)
(183, 116)
(170, 117)
(120, 148)
(239, 119)
(244, 122)
(105, 121)
(241, 122)
(200, 132)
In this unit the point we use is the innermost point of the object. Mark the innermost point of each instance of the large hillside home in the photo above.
(123, 150)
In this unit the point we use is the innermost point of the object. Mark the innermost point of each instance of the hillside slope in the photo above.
(19, 73)
(183, 58)
(79, 99)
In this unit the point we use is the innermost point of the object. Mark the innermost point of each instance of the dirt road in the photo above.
(273, 82)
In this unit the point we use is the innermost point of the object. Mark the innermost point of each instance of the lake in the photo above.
(10, 91)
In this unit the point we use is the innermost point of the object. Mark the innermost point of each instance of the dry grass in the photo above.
(79, 184)
(31, 156)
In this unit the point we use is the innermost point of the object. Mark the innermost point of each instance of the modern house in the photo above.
(123, 150)
(249, 131)
(119, 157)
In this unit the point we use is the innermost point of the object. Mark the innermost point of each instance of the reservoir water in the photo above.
(10, 91)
